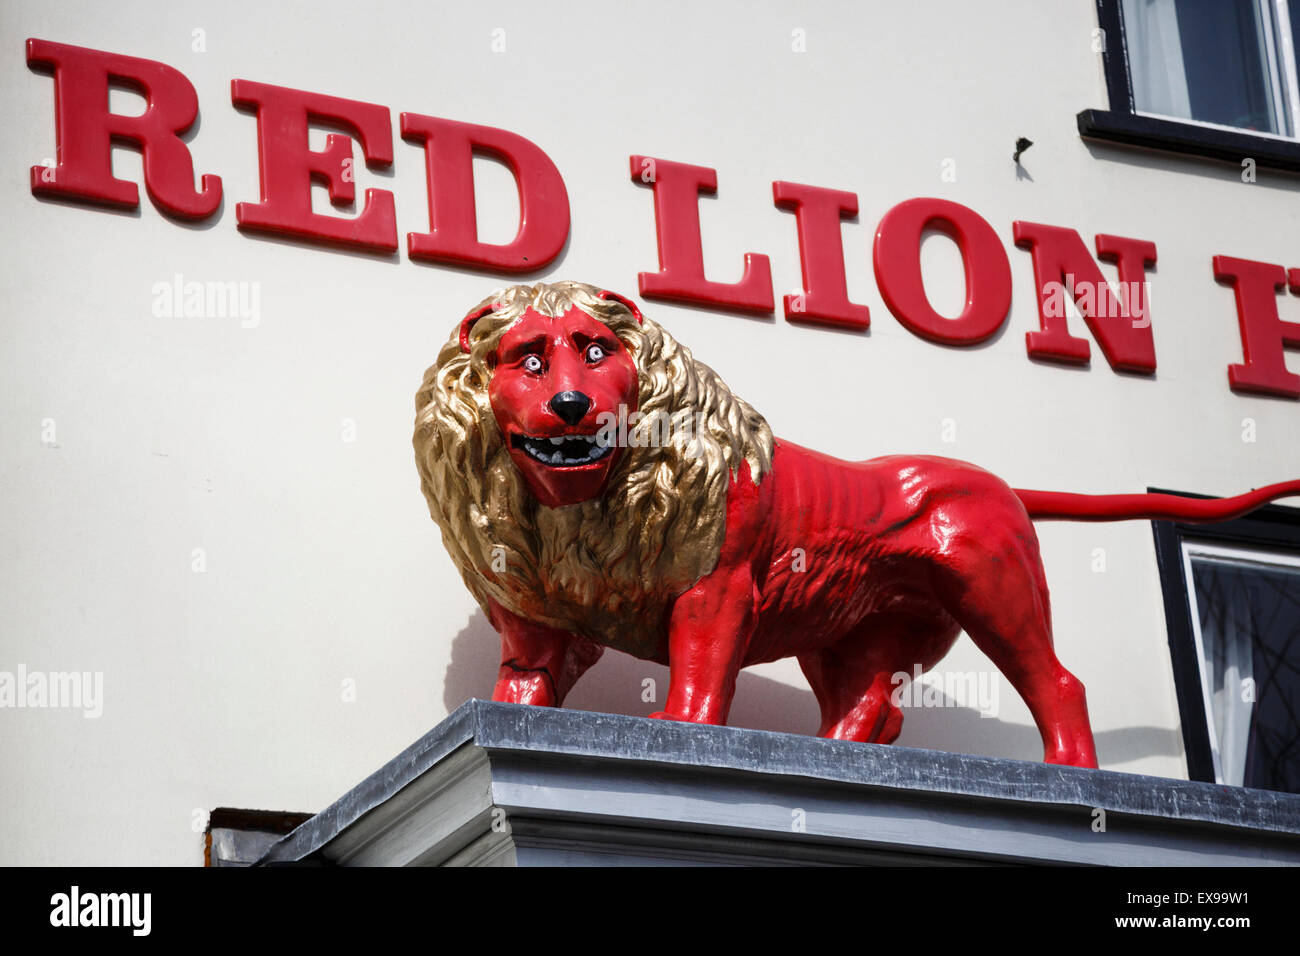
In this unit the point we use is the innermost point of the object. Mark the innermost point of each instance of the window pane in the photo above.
(1205, 60)
(1249, 616)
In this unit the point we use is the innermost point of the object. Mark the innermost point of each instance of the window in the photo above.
(1232, 605)
(1214, 78)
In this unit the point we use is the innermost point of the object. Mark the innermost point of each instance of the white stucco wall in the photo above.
(225, 688)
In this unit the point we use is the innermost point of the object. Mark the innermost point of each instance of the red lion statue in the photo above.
(598, 487)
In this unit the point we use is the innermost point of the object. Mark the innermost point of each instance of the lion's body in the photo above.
(726, 549)
(870, 546)
(713, 547)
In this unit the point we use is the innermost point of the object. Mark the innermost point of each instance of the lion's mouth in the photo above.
(566, 451)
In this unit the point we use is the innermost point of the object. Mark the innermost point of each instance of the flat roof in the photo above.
(544, 765)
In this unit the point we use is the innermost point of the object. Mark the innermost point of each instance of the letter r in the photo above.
(86, 131)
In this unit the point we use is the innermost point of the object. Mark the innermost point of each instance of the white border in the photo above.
(1245, 557)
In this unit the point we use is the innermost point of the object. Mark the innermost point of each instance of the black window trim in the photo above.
(1122, 125)
(1274, 527)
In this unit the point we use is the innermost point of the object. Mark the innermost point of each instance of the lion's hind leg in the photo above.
(856, 680)
(994, 585)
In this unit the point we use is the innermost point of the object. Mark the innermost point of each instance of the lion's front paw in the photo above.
(533, 688)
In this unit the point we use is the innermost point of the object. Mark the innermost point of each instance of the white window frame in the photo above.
(1240, 555)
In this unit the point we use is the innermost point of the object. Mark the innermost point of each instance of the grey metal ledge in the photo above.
(504, 784)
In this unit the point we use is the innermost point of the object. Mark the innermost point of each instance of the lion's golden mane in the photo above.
(607, 567)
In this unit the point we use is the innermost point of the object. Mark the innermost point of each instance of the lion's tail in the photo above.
(1063, 506)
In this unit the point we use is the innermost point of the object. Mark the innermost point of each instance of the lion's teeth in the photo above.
(568, 450)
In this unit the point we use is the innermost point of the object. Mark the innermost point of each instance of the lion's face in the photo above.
(554, 382)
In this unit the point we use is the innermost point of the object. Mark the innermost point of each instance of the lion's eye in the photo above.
(595, 353)
(532, 363)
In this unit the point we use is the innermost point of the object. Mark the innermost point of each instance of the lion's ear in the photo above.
(467, 323)
(624, 301)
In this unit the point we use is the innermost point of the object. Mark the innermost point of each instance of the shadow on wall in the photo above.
(621, 684)
(959, 729)
(618, 685)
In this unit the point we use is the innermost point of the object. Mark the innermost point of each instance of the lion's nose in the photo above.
(570, 406)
